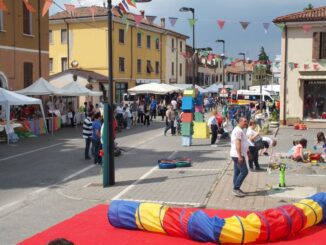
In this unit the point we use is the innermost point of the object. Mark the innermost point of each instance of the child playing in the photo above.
(298, 154)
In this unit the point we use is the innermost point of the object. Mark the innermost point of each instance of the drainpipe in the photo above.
(68, 44)
(176, 61)
(39, 39)
(285, 74)
(131, 61)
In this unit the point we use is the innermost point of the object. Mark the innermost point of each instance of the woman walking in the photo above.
(255, 142)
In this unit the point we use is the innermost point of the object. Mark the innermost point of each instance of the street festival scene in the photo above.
(162, 122)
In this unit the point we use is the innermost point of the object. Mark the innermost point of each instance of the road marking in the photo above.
(190, 169)
(8, 205)
(192, 204)
(140, 179)
(29, 152)
(78, 173)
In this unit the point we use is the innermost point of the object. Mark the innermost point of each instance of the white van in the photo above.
(128, 99)
(251, 95)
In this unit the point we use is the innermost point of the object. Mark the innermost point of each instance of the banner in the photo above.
(173, 21)
(244, 24)
(150, 19)
(124, 19)
(132, 3)
(46, 7)
(122, 8)
(306, 28)
(127, 26)
(125, 5)
(116, 11)
(29, 6)
(138, 18)
(221, 23)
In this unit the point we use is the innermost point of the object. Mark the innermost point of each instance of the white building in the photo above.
(276, 69)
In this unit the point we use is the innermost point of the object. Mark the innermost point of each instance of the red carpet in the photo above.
(92, 227)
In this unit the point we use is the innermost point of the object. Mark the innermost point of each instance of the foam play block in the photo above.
(201, 130)
(199, 117)
(186, 129)
(187, 103)
(186, 117)
(199, 108)
(186, 141)
(189, 92)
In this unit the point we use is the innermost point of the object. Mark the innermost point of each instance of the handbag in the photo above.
(259, 144)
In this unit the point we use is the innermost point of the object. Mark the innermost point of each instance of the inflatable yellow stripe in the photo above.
(311, 210)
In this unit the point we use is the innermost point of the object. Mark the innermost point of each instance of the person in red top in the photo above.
(25, 112)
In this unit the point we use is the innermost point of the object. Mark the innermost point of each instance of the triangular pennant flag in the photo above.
(296, 65)
(124, 19)
(306, 28)
(46, 7)
(3, 6)
(138, 18)
(266, 26)
(125, 5)
(323, 62)
(70, 8)
(93, 10)
(291, 65)
(150, 19)
(244, 24)
(281, 26)
(116, 11)
(192, 22)
(29, 6)
(184, 55)
(127, 26)
(122, 8)
(173, 21)
(306, 66)
(221, 24)
(132, 3)
(316, 67)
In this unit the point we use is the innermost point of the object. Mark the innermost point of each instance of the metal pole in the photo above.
(244, 71)
(223, 76)
(261, 91)
(193, 48)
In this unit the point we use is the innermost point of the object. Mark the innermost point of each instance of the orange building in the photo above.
(24, 44)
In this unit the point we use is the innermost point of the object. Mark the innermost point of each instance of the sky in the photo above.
(232, 11)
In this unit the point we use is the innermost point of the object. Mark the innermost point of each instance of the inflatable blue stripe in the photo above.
(203, 228)
(320, 198)
(122, 214)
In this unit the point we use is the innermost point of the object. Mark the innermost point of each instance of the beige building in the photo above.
(24, 46)
(239, 75)
(303, 74)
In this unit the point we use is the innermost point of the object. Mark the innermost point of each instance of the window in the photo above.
(1, 21)
(64, 64)
(149, 67)
(138, 39)
(120, 89)
(157, 67)
(27, 21)
(50, 37)
(180, 46)
(249, 77)
(319, 46)
(28, 74)
(172, 69)
(121, 36)
(180, 70)
(63, 35)
(139, 66)
(157, 43)
(323, 45)
(172, 44)
(221, 79)
(51, 64)
(121, 64)
(148, 41)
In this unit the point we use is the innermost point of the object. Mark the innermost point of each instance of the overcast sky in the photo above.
(232, 11)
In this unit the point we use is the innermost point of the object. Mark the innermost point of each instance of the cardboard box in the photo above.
(199, 117)
(187, 103)
(186, 129)
(201, 130)
(186, 117)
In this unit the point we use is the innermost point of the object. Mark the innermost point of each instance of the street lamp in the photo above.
(244, 69)
(192, 10)
(108, 140)
(223, 57)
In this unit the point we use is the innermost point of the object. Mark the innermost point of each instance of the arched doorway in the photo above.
(3, 81)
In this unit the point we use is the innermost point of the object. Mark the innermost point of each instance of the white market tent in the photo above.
(9, 98)
(154, 88)
(41, 87)
(214, 88)
(75, 89)
(186, 86)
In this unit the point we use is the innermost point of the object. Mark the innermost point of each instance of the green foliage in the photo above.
(309, 7)
(264, 59)
(275, 116)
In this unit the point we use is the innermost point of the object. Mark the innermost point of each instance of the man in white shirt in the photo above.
(239, 148)
(174, 104)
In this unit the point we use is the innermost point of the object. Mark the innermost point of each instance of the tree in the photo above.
(309, 7)
(264, 59)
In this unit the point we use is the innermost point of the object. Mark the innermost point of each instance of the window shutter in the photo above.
(316, 46)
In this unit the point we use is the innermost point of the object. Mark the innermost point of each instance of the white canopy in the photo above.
(41, 87)
(75, 89)
(9, 98)
(154, 88)
(186, 86)
(214, 88)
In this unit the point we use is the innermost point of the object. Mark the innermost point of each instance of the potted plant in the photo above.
(274, 120)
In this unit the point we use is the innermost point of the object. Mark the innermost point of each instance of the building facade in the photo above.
(139, 53)
(24, 47)
(209, 71)
(239, 75)
(303, 74)
(276, 69)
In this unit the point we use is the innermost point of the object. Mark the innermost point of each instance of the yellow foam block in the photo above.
(149, 217)
(189, 92)
(201, 130)
(311, 210)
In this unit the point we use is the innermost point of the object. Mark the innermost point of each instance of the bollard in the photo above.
(282, 175)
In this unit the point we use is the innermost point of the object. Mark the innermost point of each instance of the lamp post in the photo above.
(192, 10)
(108, 140)
(244, 69)
(223, 57)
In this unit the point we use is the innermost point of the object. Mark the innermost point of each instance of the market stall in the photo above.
(154, 88)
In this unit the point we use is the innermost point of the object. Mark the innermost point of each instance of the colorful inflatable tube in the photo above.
(270, 225)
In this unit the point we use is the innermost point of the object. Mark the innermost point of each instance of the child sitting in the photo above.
(298, 154)
(320, 146)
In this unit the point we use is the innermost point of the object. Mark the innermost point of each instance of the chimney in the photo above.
(163, 22)
(142, 12)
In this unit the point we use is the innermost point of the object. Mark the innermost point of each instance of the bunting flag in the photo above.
(125, 5)
(306, 28)
(316, 67)
(296, 65)
(173, 21)
(306, 66)
(46, 7)
(244, 24)
(29, 6)
(127, 26)
(291, 65)
(281, 26)
(70, 8)
(185, 55)
(150, 19)
(124, 19)
(116, 11)
(323, 62)
(3, 6)
(132, 3)
(122, 8)
(138, 19)
(221, 24)
(93, 10)
(266, 27)
(192, 22)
